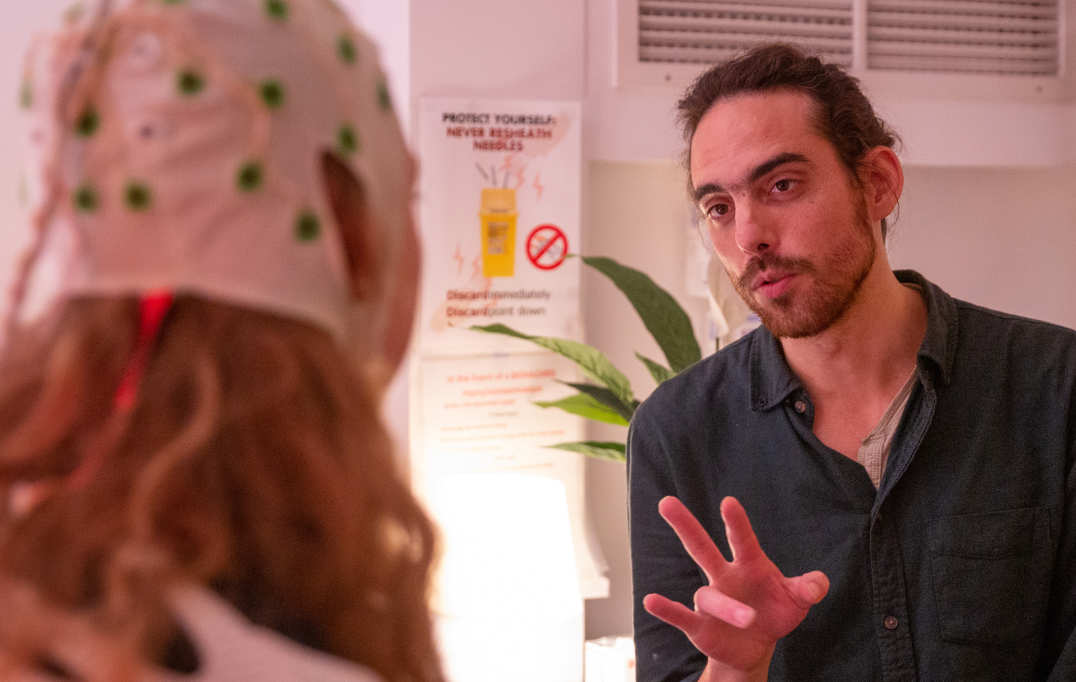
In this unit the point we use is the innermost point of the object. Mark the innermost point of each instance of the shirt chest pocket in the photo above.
(991, 575)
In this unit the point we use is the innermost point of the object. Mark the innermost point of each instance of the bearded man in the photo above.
(906, 459)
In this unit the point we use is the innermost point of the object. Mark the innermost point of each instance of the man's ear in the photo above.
(882, 178)
(358, 233)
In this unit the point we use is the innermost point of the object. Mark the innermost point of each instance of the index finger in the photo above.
(698, 543)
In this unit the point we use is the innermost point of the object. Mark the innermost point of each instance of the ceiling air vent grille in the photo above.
(709, 31)
(1000, 37)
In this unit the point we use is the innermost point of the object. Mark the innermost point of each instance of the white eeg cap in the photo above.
(177, 145)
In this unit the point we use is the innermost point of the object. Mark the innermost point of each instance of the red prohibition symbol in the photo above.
(547, 247)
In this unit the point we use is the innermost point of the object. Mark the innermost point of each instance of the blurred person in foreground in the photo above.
(893, 469)
(195, 477)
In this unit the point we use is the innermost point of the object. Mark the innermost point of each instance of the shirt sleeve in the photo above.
(659, 562)
(1061, 632)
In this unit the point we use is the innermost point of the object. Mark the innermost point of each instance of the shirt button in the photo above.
(800, 406)
(890, 622)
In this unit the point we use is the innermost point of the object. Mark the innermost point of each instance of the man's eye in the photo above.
(783, 185)
(717, 210)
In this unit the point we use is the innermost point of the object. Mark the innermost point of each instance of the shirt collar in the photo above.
(943, 330)
(771, 378)
(772, 381)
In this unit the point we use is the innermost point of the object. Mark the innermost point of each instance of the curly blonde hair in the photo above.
(253, 462)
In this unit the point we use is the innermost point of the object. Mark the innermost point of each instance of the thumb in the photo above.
(809, 588)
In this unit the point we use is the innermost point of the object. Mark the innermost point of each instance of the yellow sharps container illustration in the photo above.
(498, 214)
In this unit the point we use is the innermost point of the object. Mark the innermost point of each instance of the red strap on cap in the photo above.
(153, 308)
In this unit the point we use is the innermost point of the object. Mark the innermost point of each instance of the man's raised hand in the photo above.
(747, 606)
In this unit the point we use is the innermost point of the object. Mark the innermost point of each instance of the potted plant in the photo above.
(607, 396)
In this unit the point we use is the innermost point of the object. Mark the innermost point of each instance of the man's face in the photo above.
(782, 213)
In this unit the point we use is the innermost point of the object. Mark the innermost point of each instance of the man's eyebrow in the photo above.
(779, 160)
(759, 171)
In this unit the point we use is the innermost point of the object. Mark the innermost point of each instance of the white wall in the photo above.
(531, 50)
(1000, 237)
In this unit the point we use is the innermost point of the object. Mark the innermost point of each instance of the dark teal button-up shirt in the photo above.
(960, 566)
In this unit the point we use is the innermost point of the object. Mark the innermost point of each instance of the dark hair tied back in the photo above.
(843, 114)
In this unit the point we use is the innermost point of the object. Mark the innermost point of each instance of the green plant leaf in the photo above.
(612, 451)
(586, 406)
(591, 360)
(657, 370)
(664, 318)
(606, 397)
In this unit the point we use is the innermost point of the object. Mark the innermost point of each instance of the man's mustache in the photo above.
(760, 264)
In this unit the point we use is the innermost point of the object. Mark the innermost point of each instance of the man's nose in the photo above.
(755, 228)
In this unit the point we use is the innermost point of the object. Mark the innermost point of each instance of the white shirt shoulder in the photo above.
(232, 648)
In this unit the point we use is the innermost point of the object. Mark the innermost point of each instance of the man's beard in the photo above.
(834, 284)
